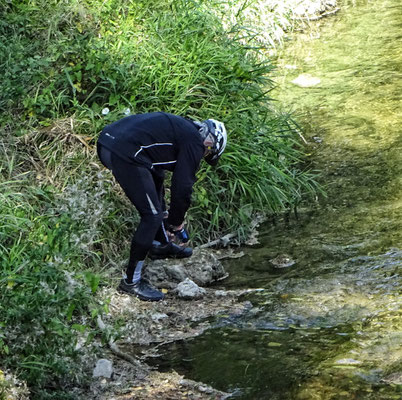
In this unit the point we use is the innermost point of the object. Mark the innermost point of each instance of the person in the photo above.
(138, 149)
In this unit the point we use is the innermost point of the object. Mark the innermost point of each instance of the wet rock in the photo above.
(190, 290)
(203, 268)
(205, 389)
(103, 369)
(282, 261)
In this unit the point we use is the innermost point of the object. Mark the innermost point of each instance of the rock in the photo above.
(190, 290)
(103, 368)
(176, 272)
(158, 316)
(306, 80)
(282, 261)
(394, 378)
(205, 389)
(203, 268)
(348, 361)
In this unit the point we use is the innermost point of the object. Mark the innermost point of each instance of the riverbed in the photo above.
(329, 325)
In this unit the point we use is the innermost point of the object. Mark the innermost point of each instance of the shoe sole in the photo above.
(160, 257)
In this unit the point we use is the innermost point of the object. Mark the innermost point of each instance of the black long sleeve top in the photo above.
(160, 141)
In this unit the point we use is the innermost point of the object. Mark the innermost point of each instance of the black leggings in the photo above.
(145, 190)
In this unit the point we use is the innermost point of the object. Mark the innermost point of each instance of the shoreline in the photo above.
(153, 324)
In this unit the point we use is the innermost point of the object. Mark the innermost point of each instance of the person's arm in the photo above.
(183, 179)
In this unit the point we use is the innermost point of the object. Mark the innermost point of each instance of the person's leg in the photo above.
(138, 185)
(158, 176)
(162, 247)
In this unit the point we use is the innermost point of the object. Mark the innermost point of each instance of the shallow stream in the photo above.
(329, 326)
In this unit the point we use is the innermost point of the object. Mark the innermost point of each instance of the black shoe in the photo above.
(142, 289)
(169, 250)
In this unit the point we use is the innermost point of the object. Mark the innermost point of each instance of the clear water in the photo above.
(330, 326)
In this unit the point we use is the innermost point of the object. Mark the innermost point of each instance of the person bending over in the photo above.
(138, 149)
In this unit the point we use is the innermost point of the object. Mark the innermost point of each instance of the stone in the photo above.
(176, 272)
(158, 316)
(394, 378)
(282, 261)
(103, 368)
(190, 290)
(203, 268)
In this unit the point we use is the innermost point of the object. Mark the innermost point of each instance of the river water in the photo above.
(329, 326)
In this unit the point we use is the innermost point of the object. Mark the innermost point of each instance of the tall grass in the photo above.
(176, 56)
(63, 220)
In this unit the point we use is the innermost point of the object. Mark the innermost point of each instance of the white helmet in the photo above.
(218, 131)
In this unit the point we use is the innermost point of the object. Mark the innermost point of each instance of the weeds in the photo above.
(63, 222)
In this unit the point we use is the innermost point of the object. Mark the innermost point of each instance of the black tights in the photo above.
(146, 191)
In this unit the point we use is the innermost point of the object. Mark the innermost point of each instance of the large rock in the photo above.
(202, 267)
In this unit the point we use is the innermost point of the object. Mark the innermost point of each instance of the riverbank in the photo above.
(60, 223)
(148, 326)
(339, 308)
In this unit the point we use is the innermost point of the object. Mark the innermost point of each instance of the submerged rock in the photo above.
(282, 261)
(202, 267)
(306, 80)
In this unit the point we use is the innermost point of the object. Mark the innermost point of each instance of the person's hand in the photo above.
(179, 233)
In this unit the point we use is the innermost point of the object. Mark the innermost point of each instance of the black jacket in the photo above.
(160, 141)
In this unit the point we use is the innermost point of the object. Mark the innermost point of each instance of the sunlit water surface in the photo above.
(329, 327)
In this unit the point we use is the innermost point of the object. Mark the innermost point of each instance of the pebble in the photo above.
(158, 316)
(103, 368)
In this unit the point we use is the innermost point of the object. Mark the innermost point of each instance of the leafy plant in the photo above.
(63, 220)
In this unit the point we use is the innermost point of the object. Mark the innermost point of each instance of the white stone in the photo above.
(158, 316)
(103, 368)
(190, 290)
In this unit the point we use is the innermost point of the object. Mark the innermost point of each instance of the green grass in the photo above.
(64, 224)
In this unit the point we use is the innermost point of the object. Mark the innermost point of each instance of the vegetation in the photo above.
(70, 67)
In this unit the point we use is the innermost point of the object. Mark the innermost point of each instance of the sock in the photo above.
(138, 271)
(133, 275)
